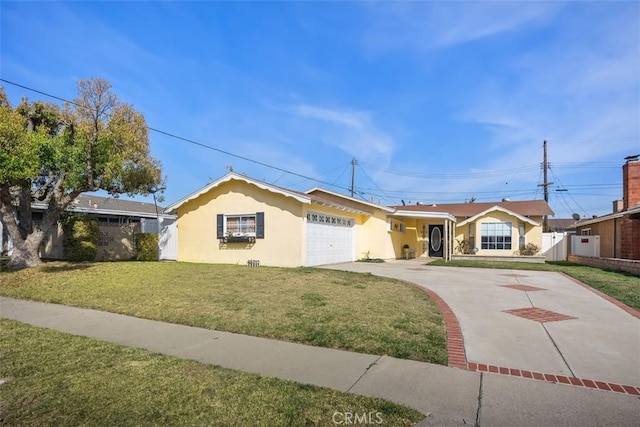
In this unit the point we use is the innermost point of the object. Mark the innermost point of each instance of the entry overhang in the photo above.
(424, 215)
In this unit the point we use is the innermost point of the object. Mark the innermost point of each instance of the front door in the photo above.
(436, 240)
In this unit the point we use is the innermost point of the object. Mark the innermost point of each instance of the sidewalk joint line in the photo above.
(363, 374)
(477, 424)
(558, 350)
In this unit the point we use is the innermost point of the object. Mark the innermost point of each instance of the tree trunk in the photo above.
(5, 242)
(26, 252)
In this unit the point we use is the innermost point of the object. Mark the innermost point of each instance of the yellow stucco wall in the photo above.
(533, 234)
(283, 223)
(374, 236)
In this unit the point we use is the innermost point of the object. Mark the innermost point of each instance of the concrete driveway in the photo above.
(515, 322)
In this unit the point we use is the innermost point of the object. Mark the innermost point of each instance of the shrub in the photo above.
(147, 247)
(464, 247)
(530, 249)
(81, 237)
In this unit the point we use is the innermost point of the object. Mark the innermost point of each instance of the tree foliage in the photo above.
(49, 155)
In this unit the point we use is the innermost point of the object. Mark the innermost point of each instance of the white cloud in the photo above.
(351, 131)
(434, 25)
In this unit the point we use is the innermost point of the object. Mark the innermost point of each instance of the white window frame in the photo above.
(397, 226)
(585, 232)
(506, 246)
(240, 233)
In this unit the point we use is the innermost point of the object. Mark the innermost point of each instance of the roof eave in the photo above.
(233, 176)
(97, 211)
(353, 199)
(501, 209)
(340, 207)
(424, 214)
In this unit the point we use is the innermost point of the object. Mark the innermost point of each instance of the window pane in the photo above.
(496, 235)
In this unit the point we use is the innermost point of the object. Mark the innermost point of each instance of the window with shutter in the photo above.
(251, 225)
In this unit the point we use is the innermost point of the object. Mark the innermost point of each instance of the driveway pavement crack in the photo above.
(363, 374)
(477, 424)
(558, 350)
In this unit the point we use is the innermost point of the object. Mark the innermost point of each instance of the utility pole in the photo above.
(354, 162)
(545, 185)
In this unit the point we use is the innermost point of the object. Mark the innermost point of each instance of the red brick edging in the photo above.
(458, 356)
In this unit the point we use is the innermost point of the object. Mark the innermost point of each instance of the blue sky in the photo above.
(438, 101)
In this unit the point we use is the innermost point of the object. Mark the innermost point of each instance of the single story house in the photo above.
(237, 219)
(619, 231)
(118, 219)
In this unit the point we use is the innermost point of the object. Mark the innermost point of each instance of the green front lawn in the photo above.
(623, 287)
(351, 311)
(48, 378)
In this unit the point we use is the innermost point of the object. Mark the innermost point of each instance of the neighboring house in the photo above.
(237, 219)
(619, 231)
(561, 225)
(119, 220)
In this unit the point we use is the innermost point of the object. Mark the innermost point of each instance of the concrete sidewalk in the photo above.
(447, 396)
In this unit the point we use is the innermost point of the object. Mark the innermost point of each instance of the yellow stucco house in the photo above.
(239, 220)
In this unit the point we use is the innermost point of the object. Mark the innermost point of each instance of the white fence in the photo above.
(554, 246)
(585, 246)
(168, 239)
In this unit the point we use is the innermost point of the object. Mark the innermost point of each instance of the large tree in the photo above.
(49, 155)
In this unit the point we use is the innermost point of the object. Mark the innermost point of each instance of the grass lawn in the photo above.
(623, 287)
(56, 379)
(352, 311)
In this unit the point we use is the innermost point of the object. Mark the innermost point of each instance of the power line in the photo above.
(379, 192)
(463, 175)
(181, 138)
(569, 194)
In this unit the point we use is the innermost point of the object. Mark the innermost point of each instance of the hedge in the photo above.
(81, 237)
(147, 247)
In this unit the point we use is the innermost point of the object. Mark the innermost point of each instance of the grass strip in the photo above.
(54, 379)
(334, 309)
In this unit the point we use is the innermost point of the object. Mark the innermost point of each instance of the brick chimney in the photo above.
(631, 182)
(630, 226)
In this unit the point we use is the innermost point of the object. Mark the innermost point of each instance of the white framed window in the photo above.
(496, 235)
(395, 225)
(240, 225)
(585, 232)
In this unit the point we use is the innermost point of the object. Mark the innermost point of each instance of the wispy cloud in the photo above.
(351, 131)
(434, 25)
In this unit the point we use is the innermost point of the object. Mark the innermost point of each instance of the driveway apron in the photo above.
(532, 321)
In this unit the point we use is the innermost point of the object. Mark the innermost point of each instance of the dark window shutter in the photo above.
(260, 225)
(220, 224)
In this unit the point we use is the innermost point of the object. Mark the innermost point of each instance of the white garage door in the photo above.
(329, 239)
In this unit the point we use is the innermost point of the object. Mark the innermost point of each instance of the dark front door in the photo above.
(436, 240)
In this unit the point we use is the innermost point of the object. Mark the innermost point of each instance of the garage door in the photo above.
(329, 239)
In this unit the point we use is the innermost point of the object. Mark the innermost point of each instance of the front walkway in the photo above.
(530, 323)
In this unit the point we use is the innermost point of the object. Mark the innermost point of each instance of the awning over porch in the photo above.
(447, 233)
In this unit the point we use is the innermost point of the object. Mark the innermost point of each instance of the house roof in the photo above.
(315, 190)
(424, 214)
(301, 197)
(632, 211)
(467, 210)
(561, 223)
(499, 209)
(89, 203)
(234, 176)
